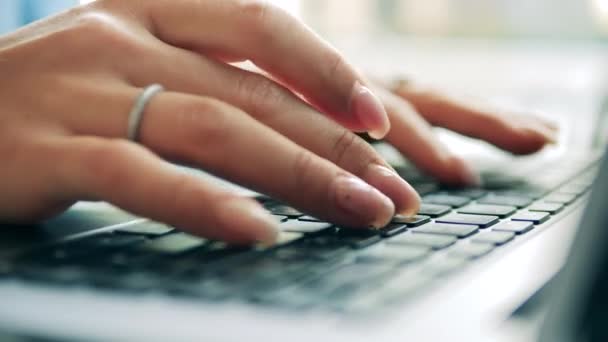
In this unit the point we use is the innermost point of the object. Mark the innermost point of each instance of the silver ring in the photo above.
(137, 113)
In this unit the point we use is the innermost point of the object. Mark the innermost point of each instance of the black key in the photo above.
(493, 237)
(359, 238)
(434, 210)
(486, 209)
(433, 241)
(457, 230)
(514, 201)
(393, 229)
(470, 193)
(534, 217)
(393, 254)
(263, 199)
(561, 198)
(424, 189)
(449, 200)
(493, 180)
(517, 227)
(479, 220)
(172, 244)
(551, 208)
(309, 219)
(470, 250)
(303, 227)
(148, 228)
(415, 221)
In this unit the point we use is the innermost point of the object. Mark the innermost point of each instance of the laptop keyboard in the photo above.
(316, 265)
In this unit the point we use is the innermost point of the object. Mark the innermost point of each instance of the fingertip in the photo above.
(404, 197)
(247, 222)
(367, 108)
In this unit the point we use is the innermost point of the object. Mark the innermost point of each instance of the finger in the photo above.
(284, 112)
(134, 179)
(225, 141)
(414, 137)
(515, 133)
(279, 44)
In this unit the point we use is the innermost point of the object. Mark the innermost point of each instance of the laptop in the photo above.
(473, 265)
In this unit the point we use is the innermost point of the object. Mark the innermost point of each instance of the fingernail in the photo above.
(403, 195)
(364, 202)
(251, 219)
(370, 111)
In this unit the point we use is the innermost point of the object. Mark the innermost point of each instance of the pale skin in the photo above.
(71, 80)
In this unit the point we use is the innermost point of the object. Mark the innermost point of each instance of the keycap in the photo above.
(303, 227)
(415, 221)
(147, 228)
(393, 254)
(517, 227)
(486, 209)
(471, 250)
(433, 241)
(551, 208)
(479, 220)
(457, 230)
(359, 238)
(493, 237)
(519, 202)
(561, 198)
(172, 244)
(434, 210)
(470, 193)
(393, 229)
(534, 217)
(449, 200)
(425, 188)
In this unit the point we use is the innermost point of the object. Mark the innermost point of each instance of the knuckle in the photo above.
(102, 163)
(95, 28)
(205, 123)
(353, 153)
(336, 64)
(303, 168)
(258, 92)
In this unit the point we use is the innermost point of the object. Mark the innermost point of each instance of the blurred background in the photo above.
(543, 56)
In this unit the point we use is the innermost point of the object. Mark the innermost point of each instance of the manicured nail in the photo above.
(253, 219)
(370, 111)
(364, 202)
(403, 195)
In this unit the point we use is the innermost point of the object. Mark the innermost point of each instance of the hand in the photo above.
(413, 110)
(70, 82)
